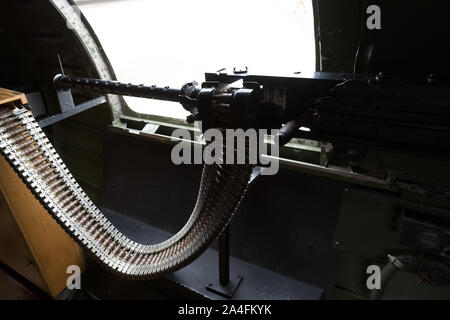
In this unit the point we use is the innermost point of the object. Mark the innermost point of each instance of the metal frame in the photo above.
(69, 109)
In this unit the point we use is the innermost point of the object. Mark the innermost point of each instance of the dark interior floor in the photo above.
(284, 225)
(192, 281)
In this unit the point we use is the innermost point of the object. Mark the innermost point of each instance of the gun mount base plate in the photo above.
(227, 290)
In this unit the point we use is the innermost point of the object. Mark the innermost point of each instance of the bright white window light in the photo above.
(170, 42)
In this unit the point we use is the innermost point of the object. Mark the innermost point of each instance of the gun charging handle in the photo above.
(288, 131)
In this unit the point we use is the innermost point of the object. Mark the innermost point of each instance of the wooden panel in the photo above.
(8, 96)
(52, 249)
(14, 250)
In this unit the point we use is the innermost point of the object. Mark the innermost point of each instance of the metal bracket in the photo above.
(65, 100)
(71, 111)
(67, 105)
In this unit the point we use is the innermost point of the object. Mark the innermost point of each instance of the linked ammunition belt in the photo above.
(30, 153)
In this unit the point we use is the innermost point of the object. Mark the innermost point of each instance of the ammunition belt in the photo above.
(27, 149)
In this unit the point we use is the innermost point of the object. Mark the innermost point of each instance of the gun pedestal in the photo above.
(227, 284)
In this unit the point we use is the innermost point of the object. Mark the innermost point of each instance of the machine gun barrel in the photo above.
(119, 88)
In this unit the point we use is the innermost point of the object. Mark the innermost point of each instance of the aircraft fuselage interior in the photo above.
(251, 150)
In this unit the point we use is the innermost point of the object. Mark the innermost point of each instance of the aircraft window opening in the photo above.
(171, 42)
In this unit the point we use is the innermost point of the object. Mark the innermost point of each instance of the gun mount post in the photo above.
(226, 286)
(224, 257)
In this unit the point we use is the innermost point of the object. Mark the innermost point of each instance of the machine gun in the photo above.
(359, 114)
(378, 110)
(385, 128)
(364, 117)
